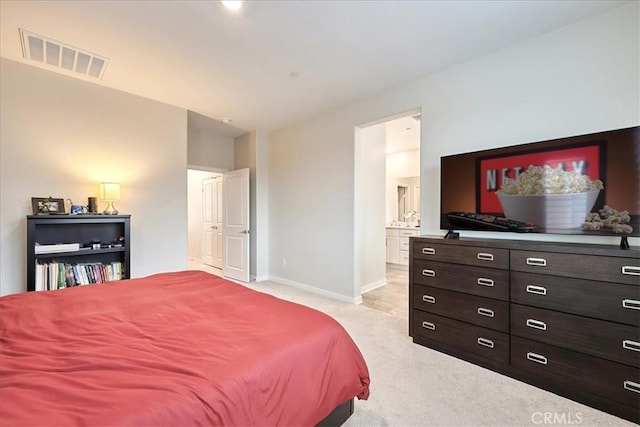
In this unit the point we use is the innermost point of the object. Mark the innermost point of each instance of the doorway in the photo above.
(204, 210)
(218, 222)
(401, 205)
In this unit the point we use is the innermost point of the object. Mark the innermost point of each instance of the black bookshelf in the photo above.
(102, 239)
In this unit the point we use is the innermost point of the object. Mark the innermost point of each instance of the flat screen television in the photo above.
(474, 183)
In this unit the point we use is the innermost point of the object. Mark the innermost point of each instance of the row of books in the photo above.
(58, 275)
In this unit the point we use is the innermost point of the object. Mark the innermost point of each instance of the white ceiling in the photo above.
(201, 57)
(403, 134)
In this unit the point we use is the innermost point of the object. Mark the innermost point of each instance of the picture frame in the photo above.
(47, 205)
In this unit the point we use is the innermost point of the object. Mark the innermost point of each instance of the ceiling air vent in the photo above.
(68, 59)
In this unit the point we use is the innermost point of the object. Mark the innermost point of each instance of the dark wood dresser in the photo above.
(563, 317)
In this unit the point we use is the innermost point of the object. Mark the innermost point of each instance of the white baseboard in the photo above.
(262, 278)
(314, 290)
(371, 286)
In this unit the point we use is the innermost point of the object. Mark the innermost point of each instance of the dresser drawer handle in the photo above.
(538, 262)
(485, 312)
(429, 325)
(485, 257)
(485, 282)
(631, 270)
(630, 385)
(429, 273)
(538, 290)
(485, 342)
(631, 345)
(538, 358)
(428, 251)
(632, 304)
(536, 324)
(429, 298)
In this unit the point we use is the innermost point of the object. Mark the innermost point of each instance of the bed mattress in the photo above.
(183, 348)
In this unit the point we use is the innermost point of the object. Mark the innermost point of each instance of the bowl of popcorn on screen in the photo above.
(548, 197)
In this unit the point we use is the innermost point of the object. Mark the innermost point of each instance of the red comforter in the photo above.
(185, 348)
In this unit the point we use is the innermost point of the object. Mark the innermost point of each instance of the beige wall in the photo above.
(261, 207)
(245, 157)
(369, 201)
(250, 152)
(580, 79)
(208, 148)
(61, 137)
(311, 208)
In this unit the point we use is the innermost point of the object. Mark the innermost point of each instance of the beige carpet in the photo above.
(412, 385)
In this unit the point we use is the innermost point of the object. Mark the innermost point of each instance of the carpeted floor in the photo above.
(412, 385)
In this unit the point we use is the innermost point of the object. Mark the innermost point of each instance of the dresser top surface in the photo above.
(532, 245)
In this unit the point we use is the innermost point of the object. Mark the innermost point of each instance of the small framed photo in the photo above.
(47, 205)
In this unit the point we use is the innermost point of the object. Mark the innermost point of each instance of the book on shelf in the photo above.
(52, 283)
(62, 277)
(56, 248)
(57, 275)
(68, 272)
(40, 286)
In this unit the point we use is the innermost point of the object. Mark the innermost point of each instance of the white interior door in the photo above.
(218, 239)
(212, 241)
(208, 221)
(235, 229)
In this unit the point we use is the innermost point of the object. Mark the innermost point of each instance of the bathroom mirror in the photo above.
(408, 199)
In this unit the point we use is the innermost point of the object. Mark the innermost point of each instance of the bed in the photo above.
(180, 349)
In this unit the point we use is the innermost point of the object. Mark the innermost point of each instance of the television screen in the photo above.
(587, 184)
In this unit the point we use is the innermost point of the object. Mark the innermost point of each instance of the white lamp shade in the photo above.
(110, 191)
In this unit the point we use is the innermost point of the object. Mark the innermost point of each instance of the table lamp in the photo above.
(110, 192)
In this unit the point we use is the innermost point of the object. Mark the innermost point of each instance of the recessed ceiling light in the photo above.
(232, 4)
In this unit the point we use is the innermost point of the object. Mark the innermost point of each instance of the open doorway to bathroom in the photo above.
(398, 167)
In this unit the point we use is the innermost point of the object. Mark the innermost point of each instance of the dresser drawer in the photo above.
(485, 282)
(602, 300)
(480, 311)
(469, 255)
(476, 340)
(585, 373)
(612, 341)
(603, 268)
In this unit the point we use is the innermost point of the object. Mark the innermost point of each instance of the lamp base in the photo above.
(110, 210)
